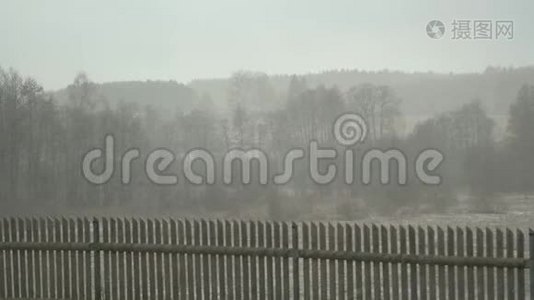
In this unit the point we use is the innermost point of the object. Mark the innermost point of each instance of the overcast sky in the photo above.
(183, 40)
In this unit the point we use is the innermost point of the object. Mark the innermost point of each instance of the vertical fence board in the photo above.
(261, 261)
(349, 247)
(442, 280)
(214, 272)
(510, 282)
(144, 278)
(9, 260)
(190, 260)
(531, 261)
(38, 271)
(253, 262)
(451, 270)
(314, 239)
(130, 290)
(432, 270)
(394, 249)
(183, 262)
(375, 236)
(358, 276)
(3, 267)
(470, 279)
(460, 270)
(403, 238)
(341, 265)
(323, 271)
(158, 257)
(277, 264)
(499, 247)
(113, 259)
(285, 268)
(206, 288)
(136, 258)
(332, 263)
(480, 271)
(152, 260)
(490, 272)
(520, 245)
(197, 282)
(236, 240)
(367, 265)
(246, 260)
(422, 268)
(413, 267)
(269, 261)
(92, 280)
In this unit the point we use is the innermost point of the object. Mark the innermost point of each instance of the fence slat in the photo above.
(499, 247)
(349, 244)
(359, 266)
(261, 261)
(278, 243)
(269, 261)
(322, 263)
(386, 267)
(442, 280)
(3, 266)
(451, 270)
(520, 245)
(138, 286)
(246, 261)
(206, 288)
(183, 262)
(285, 268)
(375, 233)
(432, 270)
(460, 271)
(314, 239)
(510, 282)
(490, 272)
(422, 242)
(332, 263)
(341, 265)
(394, 244)
(367, 265)
(470, 279)
(190, 269)
(214, 271)
(129, 262)
(37, 255)
(403, 238)
(253, 262)
(158, 257)
(481, 282)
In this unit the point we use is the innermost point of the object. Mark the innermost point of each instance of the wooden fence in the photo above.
(113, 258)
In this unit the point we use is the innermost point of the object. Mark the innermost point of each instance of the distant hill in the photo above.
(166, 96)
(423, 94)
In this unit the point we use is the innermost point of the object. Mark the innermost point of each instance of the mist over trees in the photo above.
(44, 136)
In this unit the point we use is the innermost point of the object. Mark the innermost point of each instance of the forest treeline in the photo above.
(43, 140)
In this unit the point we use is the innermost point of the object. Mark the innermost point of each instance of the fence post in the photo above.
(531, 262)
(96, 257)
(296, 273)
